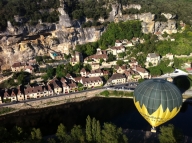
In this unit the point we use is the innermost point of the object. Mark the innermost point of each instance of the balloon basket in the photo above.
(153, 130)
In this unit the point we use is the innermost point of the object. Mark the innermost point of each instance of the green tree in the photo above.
(94, 129)
(169, 134)
(88, 130)
(88, 67)
(77, 134)
(39, 59)
(98, 133)
(101, 61)
(36, 135)
(111, 57)
(21, 77)
(90, 50)
(120, 62)
(60, 71)
(62, 134)
(112, 134)
(80, 86)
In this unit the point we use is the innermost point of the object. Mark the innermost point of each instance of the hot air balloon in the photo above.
(157, 100)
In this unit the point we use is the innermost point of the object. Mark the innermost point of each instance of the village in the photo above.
(97, 71)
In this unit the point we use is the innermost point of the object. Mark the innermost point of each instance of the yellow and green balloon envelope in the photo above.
(157, 100)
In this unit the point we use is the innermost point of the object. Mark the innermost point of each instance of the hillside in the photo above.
(19, 12)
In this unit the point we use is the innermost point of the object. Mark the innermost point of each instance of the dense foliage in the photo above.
(161, 68)
(182, 8)
(90, 9)
(28, 10)
(33, 10)
(92, 133)
(181, 45)
(169, 134)
(121, 30)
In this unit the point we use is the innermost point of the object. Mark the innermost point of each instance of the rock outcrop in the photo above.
(168, 15)
(135, 6)
(25, 42)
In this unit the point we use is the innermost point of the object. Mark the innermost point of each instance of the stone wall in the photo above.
(56, 100)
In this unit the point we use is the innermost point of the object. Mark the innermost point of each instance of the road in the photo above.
(129, 86)
(48, 97)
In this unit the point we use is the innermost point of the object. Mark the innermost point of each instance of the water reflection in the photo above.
(122, 112)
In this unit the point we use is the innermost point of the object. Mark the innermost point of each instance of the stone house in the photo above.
(143, 72)
(64, 85)
(133, 63)
(29, 69)
(66, 88)
(56, 85)
(20, 95)
(120, 69)
(68, 76)
(10, 95)
(92, 82)
(132, 75)
(13, 95)
(95, 73)
(101, 52)
(73, 87)
(116, 78)
(6, 95)
(152, 58)
(118, 43)
(76, 58)
(116, 50)
(17, 67)
(128, 44)
(96, 58)
(95, 66)
(49, 90)
(33, 92)
(135, 40)
(77, 79)
(83, 72)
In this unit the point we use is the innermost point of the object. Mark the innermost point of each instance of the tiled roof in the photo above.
(7, 94)
(34, 89)
(83, 70)
(105, 72)
(68, 75)
(139, 69)
(91, 79)
(13, 93)
(17, 65)
(77, 79)
(102, 56)
(116, 76)
(118, 48)
(72, 85)
(117, 41)
(96, 71)
(153, 55)
(63, 80)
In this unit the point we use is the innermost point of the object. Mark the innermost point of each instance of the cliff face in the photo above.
(23, 43)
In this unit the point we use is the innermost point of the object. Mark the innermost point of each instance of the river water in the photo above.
(119, 111)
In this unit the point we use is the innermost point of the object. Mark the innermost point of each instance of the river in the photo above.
(119, 111)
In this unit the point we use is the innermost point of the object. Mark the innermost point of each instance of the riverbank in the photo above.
(76, 97)
(57, 100)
